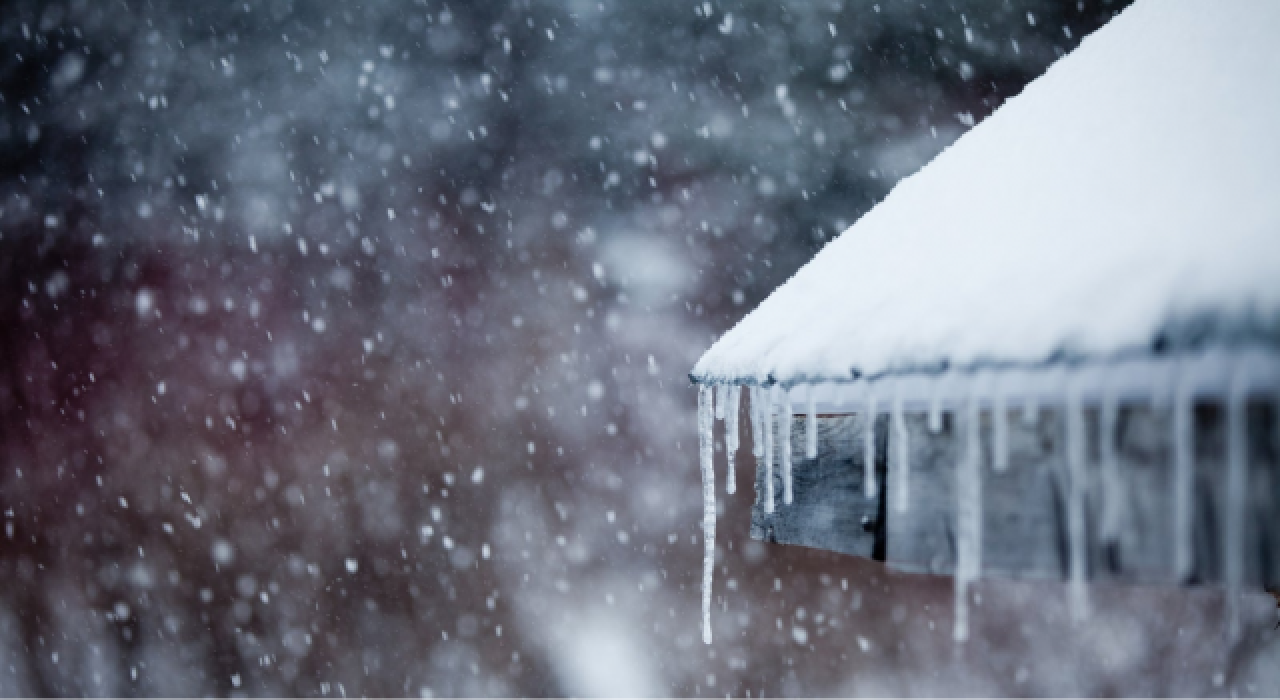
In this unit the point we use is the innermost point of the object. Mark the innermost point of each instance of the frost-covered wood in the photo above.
(1024, 529)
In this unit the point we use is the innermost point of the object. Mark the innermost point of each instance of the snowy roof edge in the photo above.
(1182, 338)
(1265, 342)
(1194, 301)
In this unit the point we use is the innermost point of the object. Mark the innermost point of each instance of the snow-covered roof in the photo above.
(1131, 191)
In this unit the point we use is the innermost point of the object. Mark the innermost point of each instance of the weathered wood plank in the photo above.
(1142, 547)
(829, 510)
(1261, 558)
(1024, 506)
(1024, 513)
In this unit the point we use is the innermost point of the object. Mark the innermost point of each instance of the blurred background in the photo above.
(343, 350)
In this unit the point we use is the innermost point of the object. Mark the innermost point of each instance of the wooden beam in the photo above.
(829, 510)
(1024, 523)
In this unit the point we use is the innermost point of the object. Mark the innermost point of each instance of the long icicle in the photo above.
(766, 415)
(706, 452)
(1031, 408)
(902, 487)
(1183, 474)
(1114, 498)
(755, 401)
(811, 424)
(1077, 594)
(935, 406)
(968, 509)
(731, 438)
(784, 435)
(869, 486)
(1237, 477)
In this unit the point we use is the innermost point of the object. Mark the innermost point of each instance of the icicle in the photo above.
(973, 445)
(1000, 430)
(1113, 492)
(935, 407)
(1077, 599)
(1163, 388)
(766, 414)
(706, 425)
(960, 632)
(968, 509)
(1237, 476)
(869, 486)
(902, 488)
(732, 408)
(784, 435)
(758, 399)
(1183, 437)
(1031, 409)
(811, 425)
(722, 398)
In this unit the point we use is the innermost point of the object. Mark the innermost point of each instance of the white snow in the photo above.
(1130, 188)
(1125, 197)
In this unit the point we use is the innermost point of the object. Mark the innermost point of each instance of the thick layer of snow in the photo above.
(1132, 188)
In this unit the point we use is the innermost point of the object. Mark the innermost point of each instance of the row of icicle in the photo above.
(722, 402)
